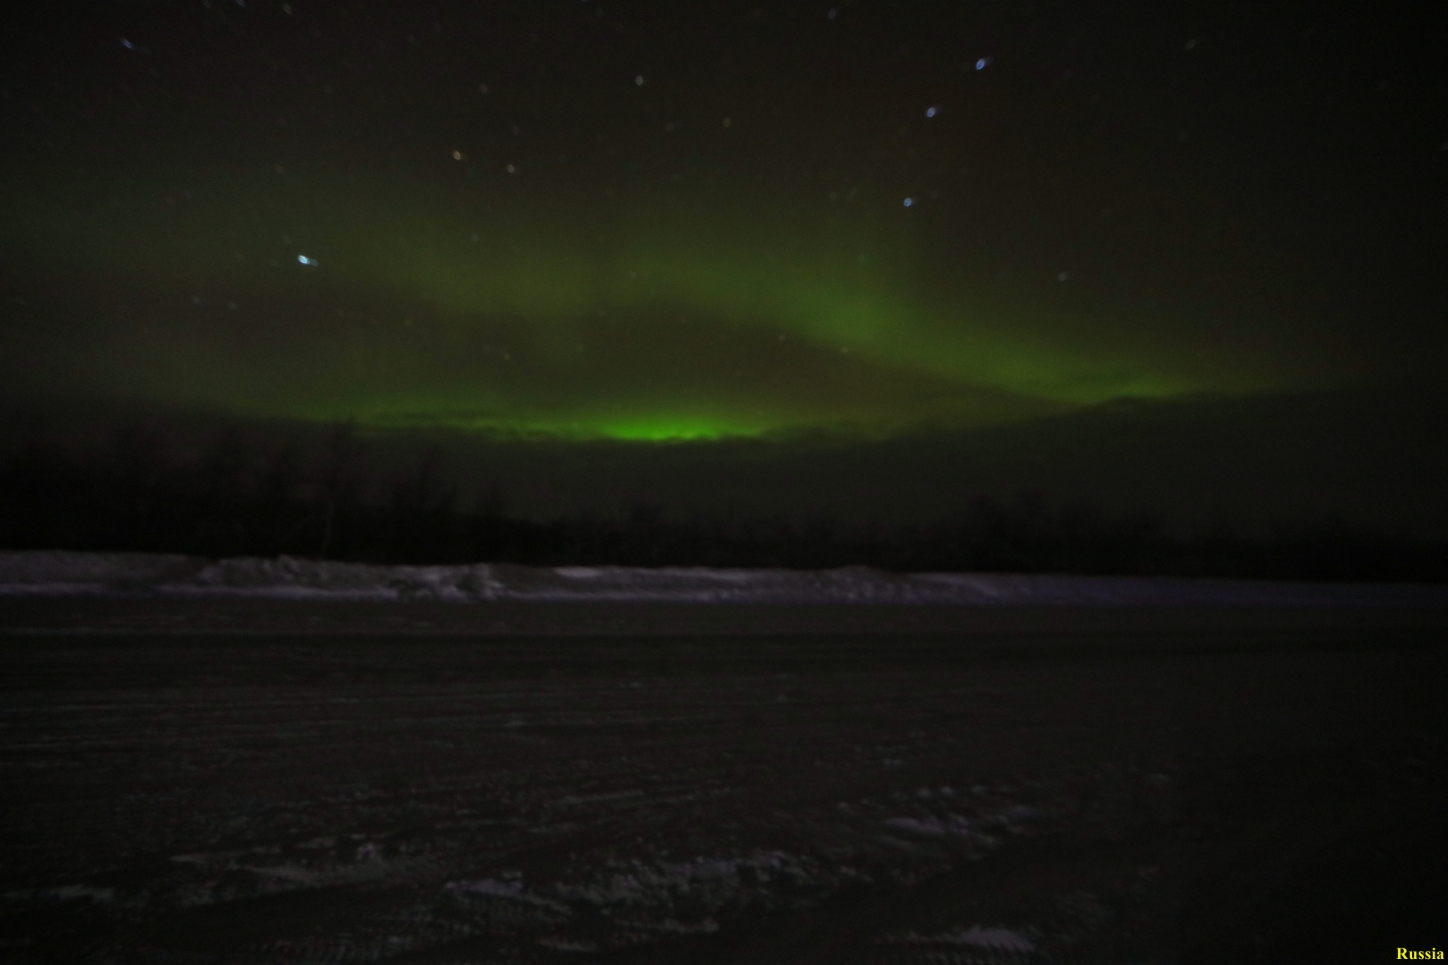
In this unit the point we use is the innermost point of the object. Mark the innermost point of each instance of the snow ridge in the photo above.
(60, 573)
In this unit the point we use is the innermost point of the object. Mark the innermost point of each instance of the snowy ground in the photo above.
(840, 800)
(137, 574)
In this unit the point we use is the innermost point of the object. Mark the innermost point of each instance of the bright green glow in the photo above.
(642, 322)
(661, 430)
(833, 307)
(639, 429)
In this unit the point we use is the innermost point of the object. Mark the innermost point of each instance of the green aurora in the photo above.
(655, 222)
(466, 302)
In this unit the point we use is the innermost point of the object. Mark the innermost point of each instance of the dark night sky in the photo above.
(583, 221)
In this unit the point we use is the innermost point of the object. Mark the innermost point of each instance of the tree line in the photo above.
(236, 498)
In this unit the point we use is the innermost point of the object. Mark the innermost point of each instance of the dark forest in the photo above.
(237, 497)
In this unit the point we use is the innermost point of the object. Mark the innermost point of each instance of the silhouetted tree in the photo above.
(143, 515)
(338, 480)
(420, 512)
(221, 488)
(238, 496)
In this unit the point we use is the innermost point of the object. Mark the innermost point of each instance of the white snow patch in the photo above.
(994, 939)
(285, 872)
(932, 827)
(56, 573)
(565, 945)
(102, 896)
(707, 926)
(510, 888)
(704, 877)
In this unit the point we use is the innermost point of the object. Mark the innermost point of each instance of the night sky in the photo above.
(583, 221)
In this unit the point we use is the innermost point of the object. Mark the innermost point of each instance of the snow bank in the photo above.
(1000, 940)
(44, 573)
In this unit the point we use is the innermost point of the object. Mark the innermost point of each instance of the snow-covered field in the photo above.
(49, 573)
(342, 782)
(436, 800)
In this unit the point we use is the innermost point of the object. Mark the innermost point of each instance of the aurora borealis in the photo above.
(636, 221)
(848, 257)
(640, 330)
(646, 317)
